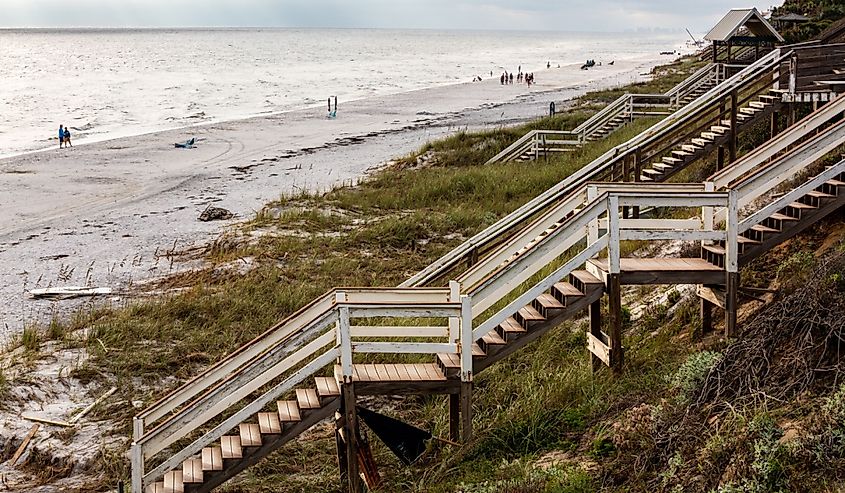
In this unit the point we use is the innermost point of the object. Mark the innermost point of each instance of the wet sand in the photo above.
(104, 214)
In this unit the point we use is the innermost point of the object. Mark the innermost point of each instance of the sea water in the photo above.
(117, 83)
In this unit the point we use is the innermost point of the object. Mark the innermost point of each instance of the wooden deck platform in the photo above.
(660, 271)
(402, 378)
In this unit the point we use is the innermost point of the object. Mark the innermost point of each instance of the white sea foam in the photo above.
(112, 83)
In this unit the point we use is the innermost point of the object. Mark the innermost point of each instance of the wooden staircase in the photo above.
(708, 141)
(784, 224)
(564, 300)
(271, 429)
(257, 439)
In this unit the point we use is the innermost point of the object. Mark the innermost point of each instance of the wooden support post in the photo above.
(595, 329)
(734, 133)
(454, 417)
(466, 411)
(793, 114)
(731, 304)
(614, 293)
(350, 432)
(342, 459)
(773, 127)
(472, 259)
(706, 316)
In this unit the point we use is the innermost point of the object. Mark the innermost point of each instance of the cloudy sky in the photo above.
(583, 15)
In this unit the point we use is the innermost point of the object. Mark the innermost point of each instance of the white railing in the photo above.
(600, 165)
(627, 107)
(286, 362)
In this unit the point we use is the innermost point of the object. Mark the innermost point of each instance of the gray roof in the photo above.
(736, 19)
(791, 17)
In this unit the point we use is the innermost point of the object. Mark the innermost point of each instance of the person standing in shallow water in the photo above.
(67, 137)
(61, 136)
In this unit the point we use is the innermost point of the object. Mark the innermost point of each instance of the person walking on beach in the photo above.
(511, 78)
(61, 136)
(67, 137)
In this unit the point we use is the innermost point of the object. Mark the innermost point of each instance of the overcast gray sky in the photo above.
(566, 15)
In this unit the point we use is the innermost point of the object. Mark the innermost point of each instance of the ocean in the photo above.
(115, 83)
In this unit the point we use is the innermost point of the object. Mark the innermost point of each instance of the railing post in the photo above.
(707, 220)
(345, 336)
(614, 288)
(466, 367)
(454, 322)
(593, 226)
(137, 459)
(731, 264)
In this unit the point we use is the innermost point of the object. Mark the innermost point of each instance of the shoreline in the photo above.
(87, 216)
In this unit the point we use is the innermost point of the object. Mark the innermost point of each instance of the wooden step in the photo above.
(490, 340)
(769, 98)
(645, 178)
(715, 249)
(585, 282)
(289, 412)
(745, 240)
(155, 488)
(661, 167)
(230, 447)
(709, 135)
(269, 423)
(681, 154)
(820, 195)
(692, 149)
(250, 435)
(725, 123)
(192, 471)
(546, 303)
(510, 329)
(563, 291)
(651, 172)
(800, 205)
(528, 315)
(749, 111)
(700, 142)
(777, 216)
(307, 399)
(672, 161)
(759, 105)
(449, 363)
(764, 229)
(721, 129)
(173, 482)
(835, 183)
(327, 388)
(212, 459)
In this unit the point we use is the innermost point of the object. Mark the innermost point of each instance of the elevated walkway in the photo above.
(548, 262)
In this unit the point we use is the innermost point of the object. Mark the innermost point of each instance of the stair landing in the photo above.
(421, 378)
(641, 271)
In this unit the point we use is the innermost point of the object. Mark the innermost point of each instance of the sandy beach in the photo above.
(105, 214)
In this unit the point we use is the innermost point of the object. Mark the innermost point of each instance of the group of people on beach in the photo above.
(507, 78)
(64, 136)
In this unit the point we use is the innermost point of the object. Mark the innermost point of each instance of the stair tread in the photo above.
(289, 411)
(821, 195)
(173, 482)
(585, 277)
(745, 239)
(269, 423)
(493, 338)
(782, 217)
(764, 229)
(230, 447)
(530, 314)
(645, 178)
(510, 325)
(835, 183)
(477, 351)
(327, 387)
(192, 471)
(155, 488)
(567, 289)
(449, 360)
(307, 399)
(212, 459)
(250, 435)
(549, 302)
(799, 205)
(671, 160)
(718, 250)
